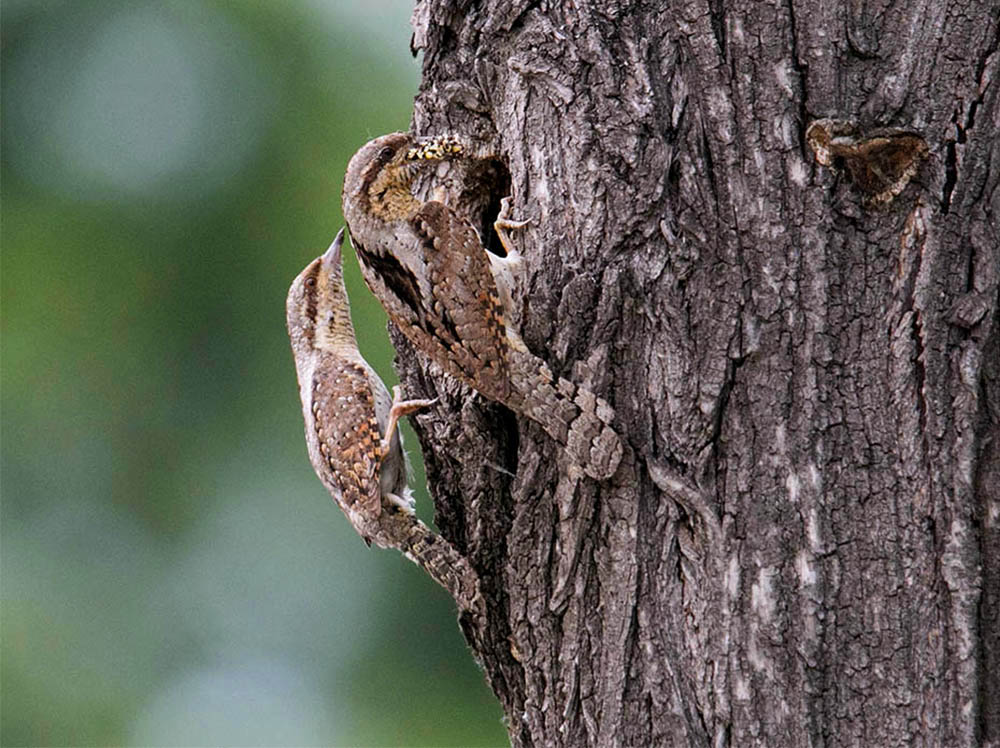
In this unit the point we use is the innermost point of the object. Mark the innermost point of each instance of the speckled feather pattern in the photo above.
(346, 408)
(347, 430)
(427, 266)
(467, 301)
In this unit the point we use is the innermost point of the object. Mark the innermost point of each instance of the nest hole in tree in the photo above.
(488, 183)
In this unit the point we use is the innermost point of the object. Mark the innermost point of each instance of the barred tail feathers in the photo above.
(571, 415)
(435, 555)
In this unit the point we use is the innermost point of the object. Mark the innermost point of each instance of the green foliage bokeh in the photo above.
(173, 573)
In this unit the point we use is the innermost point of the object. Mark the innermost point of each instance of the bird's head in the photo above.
(318, 312)
(380, 175)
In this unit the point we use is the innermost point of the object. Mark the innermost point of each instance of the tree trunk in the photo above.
(801, 545)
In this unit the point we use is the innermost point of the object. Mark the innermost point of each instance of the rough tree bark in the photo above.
(801, 545)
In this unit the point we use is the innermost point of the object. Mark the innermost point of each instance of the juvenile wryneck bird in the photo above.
(350, 423)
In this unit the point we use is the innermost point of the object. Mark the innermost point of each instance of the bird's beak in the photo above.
(332, 255)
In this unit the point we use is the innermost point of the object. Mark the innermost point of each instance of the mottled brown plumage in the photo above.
(426, 264)
(350, 424)
(350, 417)
(428, 267)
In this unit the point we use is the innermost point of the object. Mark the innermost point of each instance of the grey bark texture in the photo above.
(802, 544)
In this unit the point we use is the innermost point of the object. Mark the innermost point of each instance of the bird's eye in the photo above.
(385, 154)
(310, 282)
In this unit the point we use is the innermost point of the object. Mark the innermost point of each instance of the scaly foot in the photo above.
(400, 408)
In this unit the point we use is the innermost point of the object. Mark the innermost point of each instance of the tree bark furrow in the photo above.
(801, 545)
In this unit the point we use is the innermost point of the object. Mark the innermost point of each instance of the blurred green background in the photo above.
(173, 573)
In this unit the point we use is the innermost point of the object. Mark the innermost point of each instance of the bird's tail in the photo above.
(572, 415)
(435, 555)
